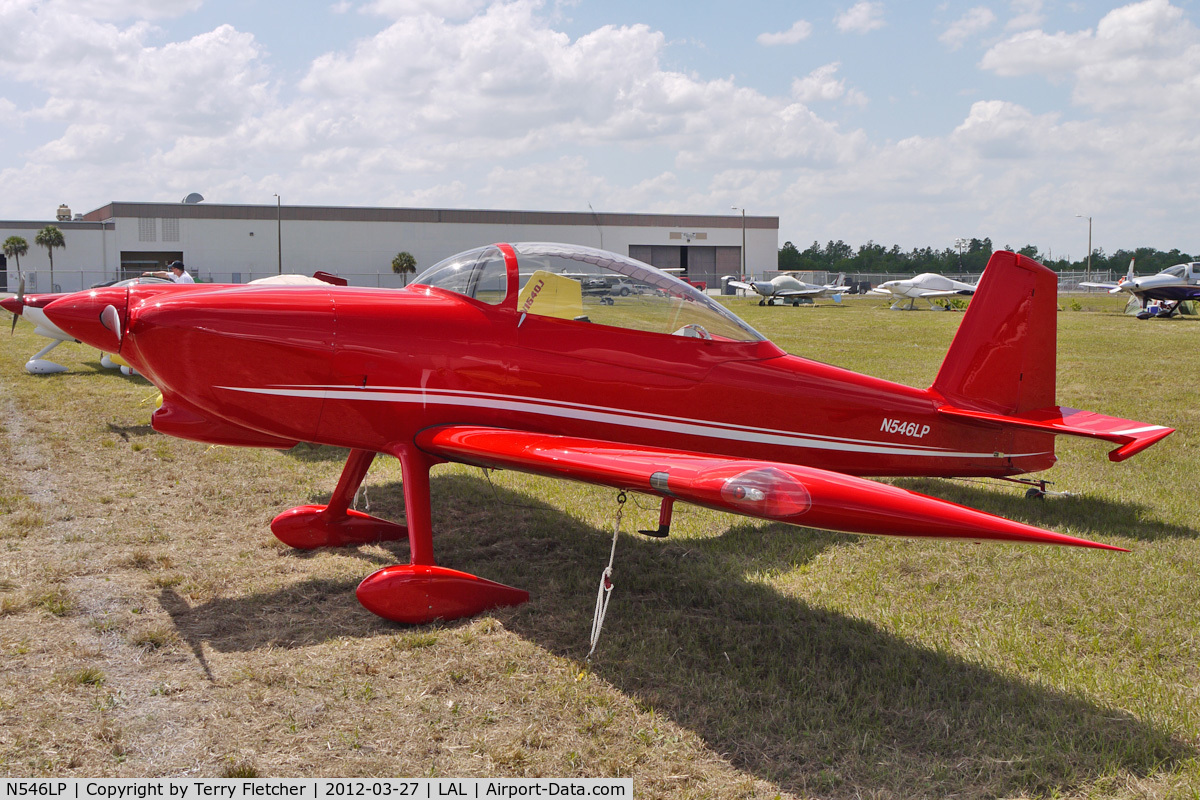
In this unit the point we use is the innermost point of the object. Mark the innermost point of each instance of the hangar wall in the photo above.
(237, 243)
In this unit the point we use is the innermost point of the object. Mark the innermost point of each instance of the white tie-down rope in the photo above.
(604, 593)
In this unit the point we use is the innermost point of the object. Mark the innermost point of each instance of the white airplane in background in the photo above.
(926, 286)
(791, 289)
(30, 307)
(1169, 288)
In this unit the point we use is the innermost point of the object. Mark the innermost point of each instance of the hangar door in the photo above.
(135, 262)
(691, 262)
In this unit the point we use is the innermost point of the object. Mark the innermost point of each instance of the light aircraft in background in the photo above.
(495, 358)
(790, 289)
(926, 286)
(30, 307)
(1160, 295)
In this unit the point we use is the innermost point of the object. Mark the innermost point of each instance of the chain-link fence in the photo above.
(863, 281)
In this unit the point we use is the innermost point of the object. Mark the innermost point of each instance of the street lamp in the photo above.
(743, 210)
(960, 244)
(1089, 260)
(278, 232)
(596, 222)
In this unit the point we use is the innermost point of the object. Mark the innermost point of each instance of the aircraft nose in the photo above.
(12, 305)
(97, 317)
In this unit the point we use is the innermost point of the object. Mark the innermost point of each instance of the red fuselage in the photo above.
(368, 368)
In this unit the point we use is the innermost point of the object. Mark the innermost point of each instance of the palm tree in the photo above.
(14, 248)
(50, 237)
(404, 263)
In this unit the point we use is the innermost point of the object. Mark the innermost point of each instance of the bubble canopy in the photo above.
(587, 285)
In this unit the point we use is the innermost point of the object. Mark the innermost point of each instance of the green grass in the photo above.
(738, 659)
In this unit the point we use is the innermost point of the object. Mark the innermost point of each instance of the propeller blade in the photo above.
(111, 319)
(20, 301)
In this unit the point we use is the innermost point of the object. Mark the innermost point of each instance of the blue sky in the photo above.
(909, 124)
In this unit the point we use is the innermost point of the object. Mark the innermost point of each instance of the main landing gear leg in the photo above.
(38, 365)
(336, 524)
(421, 591)
(1038, 489)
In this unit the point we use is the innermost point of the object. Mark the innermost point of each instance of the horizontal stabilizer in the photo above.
(1133, 437)
(788, 493)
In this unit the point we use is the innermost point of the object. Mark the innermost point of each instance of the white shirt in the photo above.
(181, 278)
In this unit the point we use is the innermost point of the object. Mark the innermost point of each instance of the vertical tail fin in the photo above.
(1003, 358)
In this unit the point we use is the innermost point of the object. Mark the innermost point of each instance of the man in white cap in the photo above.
(174, 272)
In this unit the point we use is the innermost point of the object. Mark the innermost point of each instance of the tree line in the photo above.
(971, 258)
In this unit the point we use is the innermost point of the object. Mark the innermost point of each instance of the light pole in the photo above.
(278, 233)
(596, 222)
(743, 210)
(1089, 260)
(960, 244)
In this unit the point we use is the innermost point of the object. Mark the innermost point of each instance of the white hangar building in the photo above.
(237, 243)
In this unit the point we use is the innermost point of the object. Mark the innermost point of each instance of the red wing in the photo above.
(789, 493)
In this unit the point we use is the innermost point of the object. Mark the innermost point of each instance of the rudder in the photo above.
(1003, 358)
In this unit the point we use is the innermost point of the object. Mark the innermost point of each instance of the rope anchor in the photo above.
(604, 593)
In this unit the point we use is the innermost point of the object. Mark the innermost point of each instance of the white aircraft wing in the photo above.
(1109, 286)
(801, 292)
(945, 293)
(740, 285)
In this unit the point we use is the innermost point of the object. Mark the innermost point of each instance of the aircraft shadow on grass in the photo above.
(809, 699)
(312, 453)
(1088, 516)
(125, 431)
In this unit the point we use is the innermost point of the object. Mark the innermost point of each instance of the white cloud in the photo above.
(822, 84)
(800, 31)
(975, 21)
(566, 182)
(504, 83)
(1144, 56)
(862, 17)
(444, 9)
(125, 9)
(1026, 14)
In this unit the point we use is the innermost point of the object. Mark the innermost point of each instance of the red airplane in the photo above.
(496, 357)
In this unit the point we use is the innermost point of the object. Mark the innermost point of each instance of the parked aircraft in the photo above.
(1160, 295)
(491, 358)
(791, 289)
(926, 286)
(30, 307)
